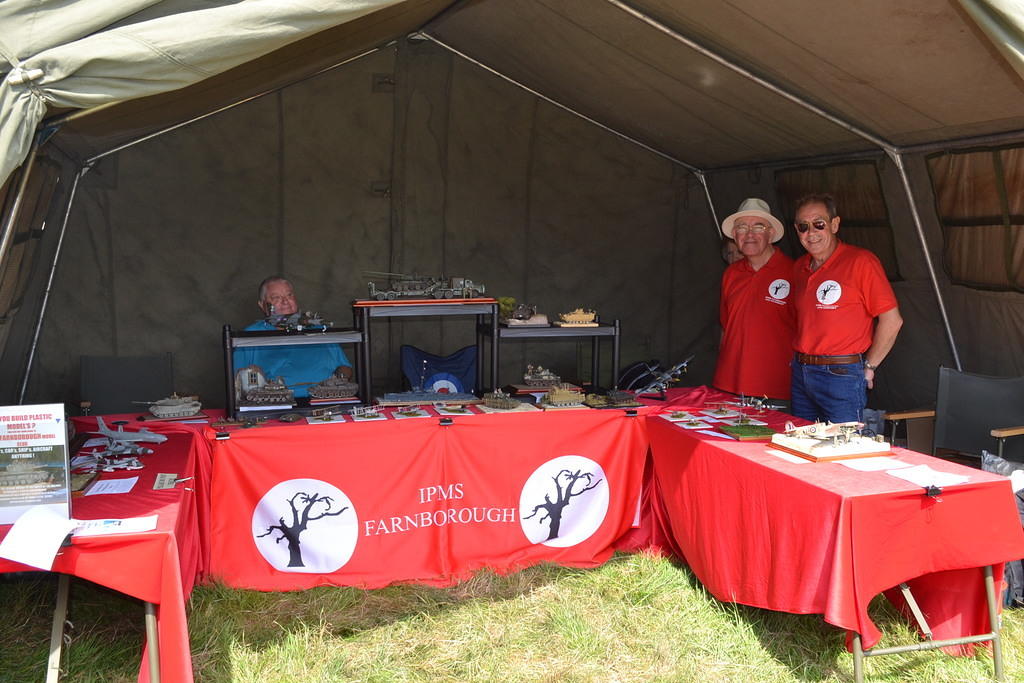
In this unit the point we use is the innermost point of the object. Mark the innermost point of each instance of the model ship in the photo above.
(577, 318)
(421, 398)
(538, 376)
(827, 441)
(333, 387)
(401, 286)
(563, 396)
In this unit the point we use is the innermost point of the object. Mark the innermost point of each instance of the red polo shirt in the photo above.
(837, 304)
(757, 328)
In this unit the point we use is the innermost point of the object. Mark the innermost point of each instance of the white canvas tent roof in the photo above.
(711, 85)
(910, 73)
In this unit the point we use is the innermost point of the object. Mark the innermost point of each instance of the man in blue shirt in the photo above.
(298, 364)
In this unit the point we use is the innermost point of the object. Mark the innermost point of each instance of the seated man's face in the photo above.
(279, 295)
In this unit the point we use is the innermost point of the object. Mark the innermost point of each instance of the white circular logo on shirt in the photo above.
(829, 292)
(779, 289)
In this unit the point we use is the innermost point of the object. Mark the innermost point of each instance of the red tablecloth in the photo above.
(375, 503)
(823, 538)
(158, 566)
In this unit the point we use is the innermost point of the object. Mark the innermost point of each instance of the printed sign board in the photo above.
(33, 460)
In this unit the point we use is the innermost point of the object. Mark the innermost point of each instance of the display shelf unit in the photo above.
(237, 339)
(610, 331)
(485, 310)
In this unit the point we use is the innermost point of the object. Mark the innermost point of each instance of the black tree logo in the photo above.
(553, 509)
(300, 520)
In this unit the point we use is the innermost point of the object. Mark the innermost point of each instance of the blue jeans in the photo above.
(837, 393)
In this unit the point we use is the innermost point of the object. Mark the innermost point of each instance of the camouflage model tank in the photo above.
(499, 400)
(538, 376)
(333, 387)
(563, 396)
(23, 473)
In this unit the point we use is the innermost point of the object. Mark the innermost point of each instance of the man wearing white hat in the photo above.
(755, 311)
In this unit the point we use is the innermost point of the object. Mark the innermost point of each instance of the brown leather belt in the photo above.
(808, 359)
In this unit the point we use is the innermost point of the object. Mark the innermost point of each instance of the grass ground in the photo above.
(637, 618)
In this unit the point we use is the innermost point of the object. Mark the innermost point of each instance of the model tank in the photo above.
(578, 317)
(499, 400)
(23, 473)
(401, 286)
(563, 396)
(538, 376)
(333, 387)
(176, 406)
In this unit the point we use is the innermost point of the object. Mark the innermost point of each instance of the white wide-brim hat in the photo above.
(754, 207)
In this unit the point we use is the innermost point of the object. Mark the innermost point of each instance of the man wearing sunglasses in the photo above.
(847, 317)
(755, 310)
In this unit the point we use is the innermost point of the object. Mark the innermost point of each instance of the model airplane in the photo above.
(127, 443)
(658, 379)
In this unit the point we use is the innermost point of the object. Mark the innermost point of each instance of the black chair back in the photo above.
(112, 383)
(969, 406)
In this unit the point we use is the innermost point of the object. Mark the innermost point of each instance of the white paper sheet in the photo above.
(35, 537)
(878, 464)
(922, 475)
(718, 434)
(788, 457)
(101, 486)
(129, 525)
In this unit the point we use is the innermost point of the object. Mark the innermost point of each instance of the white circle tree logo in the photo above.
(564, 501)
(779, 289)
(829, 292)
(305, 525)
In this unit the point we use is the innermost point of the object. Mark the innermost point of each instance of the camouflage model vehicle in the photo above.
(402, 286)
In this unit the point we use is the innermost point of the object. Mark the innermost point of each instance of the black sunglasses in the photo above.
(817, 225)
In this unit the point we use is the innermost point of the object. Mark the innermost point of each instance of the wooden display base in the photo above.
(559, 323)
(827, 458)
(748, 432)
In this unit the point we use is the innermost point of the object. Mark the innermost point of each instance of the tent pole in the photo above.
(564, 107)
(49, 284)
(7, 231)
(711, 204)
(898, 160)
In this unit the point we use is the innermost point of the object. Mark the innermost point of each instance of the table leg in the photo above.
(152, 643)
(615, 356)
(60, 615)
(858, 659)
(366, 388)
(494, 348)
(994, 624)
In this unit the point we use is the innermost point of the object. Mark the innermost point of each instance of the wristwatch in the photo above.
(869, 366)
